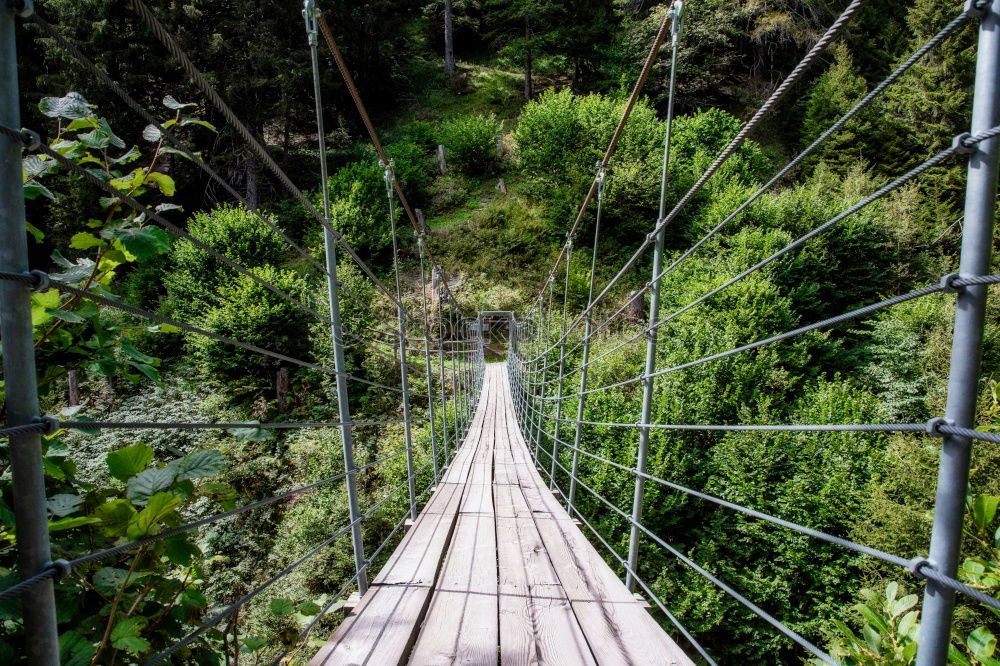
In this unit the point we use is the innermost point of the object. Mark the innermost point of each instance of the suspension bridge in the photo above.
(493, 560)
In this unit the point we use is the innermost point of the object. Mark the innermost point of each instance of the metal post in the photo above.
(427, 360)
(588, 323)
(336, 330)
(562, 367)
(966, 350)
(33, 550)
(389, 177)
(454, 383)
(654, 315)
(441, 371)
(545, 373)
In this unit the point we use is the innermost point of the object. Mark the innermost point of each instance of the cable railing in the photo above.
(543, 347)
(452, 355)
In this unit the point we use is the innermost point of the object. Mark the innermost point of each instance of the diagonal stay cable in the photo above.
(186, 150)
(949, 283)
(640, 82)
(209, 91)
(835, 28)
(961, 145)
(373, 134)
(171, 227)
(190, 328)
(917, 55)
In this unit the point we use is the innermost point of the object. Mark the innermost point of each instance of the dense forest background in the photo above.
(537, 89)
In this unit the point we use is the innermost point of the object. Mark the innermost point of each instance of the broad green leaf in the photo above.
(907, 623)
(109, 579)
(252, 434)
(891, 590)
(70, 523)
(168, 206)
(199, 463)
(151, 133)
(75, 650)
(982, 643)
(66, 316)
(77, 272)
(143, 243)
(984, 508)
(147, 370)
(72, 106)
(222, 493)
(126, 346)
(181, 551)
(85, 241)
(163, 182)
(148, 521)
(64, 504)
(171, 103)
(125, 633)
(900, 606)
(163, 328)
(35, 232)
(873, 618)
(33, 189)
(309, 608)
(131, 644)
(956, 657)
(35, 165)
(115, 516)
(148, 483)
(101, 137)
(126, 463)
(282, 607)
(872, 637)
(196, 121)
(130, 156)
(253, 643)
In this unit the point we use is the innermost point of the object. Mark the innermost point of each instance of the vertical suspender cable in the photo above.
(404, 379)
(427, 359)
(562, 366)
(30, 514)
(588, 322)
(966, 349)
(676, 26)
(333, 291)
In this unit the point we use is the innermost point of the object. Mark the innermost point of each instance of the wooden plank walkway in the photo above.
(494, 571)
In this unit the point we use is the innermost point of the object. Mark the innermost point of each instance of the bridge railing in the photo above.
(544, 341)
(452, 355)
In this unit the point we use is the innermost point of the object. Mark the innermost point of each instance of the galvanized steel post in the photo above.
(336, 330)
(427, 359)
(30, 514)
(562, 368)
(404, 379)
(588, 323)
(441, 371)
(654, 315)
(966, 350)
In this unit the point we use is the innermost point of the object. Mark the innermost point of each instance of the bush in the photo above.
(471, 142)
(249, 312)
(234, 232)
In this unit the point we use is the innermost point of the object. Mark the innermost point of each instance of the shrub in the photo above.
(471, 142)
(249, 312)
(234, 232)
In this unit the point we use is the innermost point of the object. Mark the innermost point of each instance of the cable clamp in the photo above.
(948, 284)
(676, 19)
(975, 8)
(50, 422)
(959, 145)
(41, 279)
(917, 564)
(31, 140)
(61, 567)
(933, 427)
(23, 8)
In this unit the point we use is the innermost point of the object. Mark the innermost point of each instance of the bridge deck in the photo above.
(495, 571)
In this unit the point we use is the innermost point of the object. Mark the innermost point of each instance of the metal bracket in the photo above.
(41, 280)
(51, 424)
(917, 563)
(62, 567)
(30, 140)
(933, 427)
(22, 8)
(959, 146)
(676, 13)
(310, 13)
(947, 284)
(975, 8)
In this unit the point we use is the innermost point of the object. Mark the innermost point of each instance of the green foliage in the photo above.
(471, 143)
(250, 312)
(138, 602)
(236, 233)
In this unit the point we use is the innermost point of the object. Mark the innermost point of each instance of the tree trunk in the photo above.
(449, 39)
(527, 59)
(577, 75)
(73, 379)
(281, 389)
